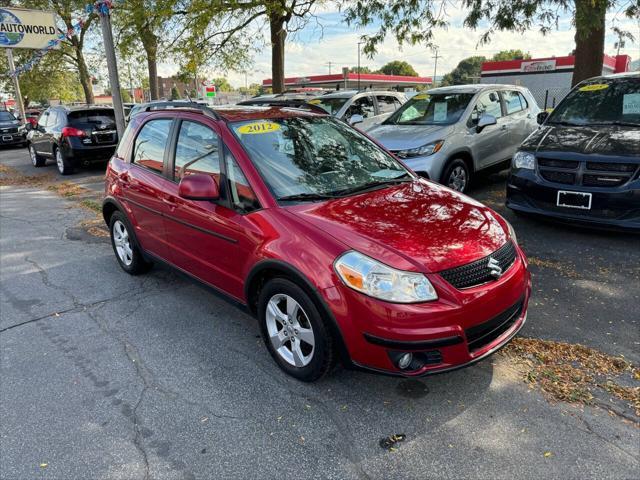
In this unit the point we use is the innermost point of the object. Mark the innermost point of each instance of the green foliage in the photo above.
(467, 71)
(398, 67)
(504, 55)
(175, 95)
(362, 70)
(222, 85)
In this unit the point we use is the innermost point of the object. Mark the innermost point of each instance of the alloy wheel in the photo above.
(122, 242)
(290, 330)
(458, 179)
(59, 161)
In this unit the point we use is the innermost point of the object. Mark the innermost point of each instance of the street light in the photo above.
(359, 43)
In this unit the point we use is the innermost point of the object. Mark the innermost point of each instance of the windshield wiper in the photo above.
(568, 124)
(375, 184)
(624, 124)
(306, 196)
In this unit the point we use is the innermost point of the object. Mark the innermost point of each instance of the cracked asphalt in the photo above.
(104, 375)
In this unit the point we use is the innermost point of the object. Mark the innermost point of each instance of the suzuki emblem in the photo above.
(494, 268)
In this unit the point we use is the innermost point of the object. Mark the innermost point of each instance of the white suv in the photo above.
(364, 108)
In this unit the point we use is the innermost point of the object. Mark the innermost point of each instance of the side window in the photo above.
(512, 101)
(523, 101)
(487, 104)
(362, 106)
(148, 150)
(387, 104)
(197, 151)
(240, 192)
(44, 118)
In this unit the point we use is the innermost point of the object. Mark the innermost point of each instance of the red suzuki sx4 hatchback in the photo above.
(340, 251)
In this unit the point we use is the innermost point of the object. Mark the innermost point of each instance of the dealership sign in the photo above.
(538, 66)
(21, 28)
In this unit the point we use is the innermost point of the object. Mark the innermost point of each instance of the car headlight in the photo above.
(378, 280)
(22, 129)
(524, 160)
(512, 232)
(424, 150)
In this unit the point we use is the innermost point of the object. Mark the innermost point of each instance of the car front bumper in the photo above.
(617, 208)
(460, 328)
(430, 165)
(12, 138)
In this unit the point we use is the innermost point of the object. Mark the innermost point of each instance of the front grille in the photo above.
(478, 272)
(603, 180)
(558, 177)
(481, 335)
(552, 162)
(587, 173)
(9, 130)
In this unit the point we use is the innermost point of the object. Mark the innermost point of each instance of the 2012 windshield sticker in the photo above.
(594, 87)
(258, 127)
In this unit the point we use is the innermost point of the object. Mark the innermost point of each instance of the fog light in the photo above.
(405, 361)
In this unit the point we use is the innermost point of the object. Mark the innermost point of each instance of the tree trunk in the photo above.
(152, 65)
(278, 35)
(590, 30)
(85, 78)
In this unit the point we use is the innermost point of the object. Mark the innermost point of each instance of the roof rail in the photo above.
(188, 106)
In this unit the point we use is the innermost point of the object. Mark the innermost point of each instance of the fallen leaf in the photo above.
(44, 465)
(547, 454)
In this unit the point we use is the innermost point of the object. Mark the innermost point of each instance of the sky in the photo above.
(309, 51)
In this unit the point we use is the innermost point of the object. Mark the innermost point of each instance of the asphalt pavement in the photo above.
(104, 375)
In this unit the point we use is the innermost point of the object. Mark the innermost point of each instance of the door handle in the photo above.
(503, 127)
(168, 201)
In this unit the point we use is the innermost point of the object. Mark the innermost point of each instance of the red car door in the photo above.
(144, 185)
(210, 240)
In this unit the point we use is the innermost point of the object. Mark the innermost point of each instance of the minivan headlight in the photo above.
(378, 280)
(524, 160)
(424, 150)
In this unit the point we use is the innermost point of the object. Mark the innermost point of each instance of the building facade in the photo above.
(548, 79)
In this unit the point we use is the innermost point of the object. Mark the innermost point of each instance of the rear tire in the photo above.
(125, 246)
(456, 175)
(64, 165)
(36, 160)
(294, 331)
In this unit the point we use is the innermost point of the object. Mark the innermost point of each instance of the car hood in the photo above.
(600, 140)
(419, 226)
(9, 124)
(401, 137)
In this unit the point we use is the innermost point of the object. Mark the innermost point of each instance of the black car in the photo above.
(583, 164)
(11, 132)
(73, 136)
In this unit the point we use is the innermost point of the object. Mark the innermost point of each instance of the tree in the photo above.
(175, 95)
(221, 28)
(362, 70)
(511, 55)
(145, 23)
(398, 67)
(73, 46)
(222, 85)
(413, 21)
(467, 71)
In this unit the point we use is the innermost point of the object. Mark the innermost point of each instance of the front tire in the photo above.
(36, 160)
(125, 247)
(294, 331)
(64, 165)
(457, 175)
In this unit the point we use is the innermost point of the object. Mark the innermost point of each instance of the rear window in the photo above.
(92, 116)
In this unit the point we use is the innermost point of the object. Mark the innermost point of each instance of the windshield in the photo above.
(307, 156)
(600, 102)
(428, 109)
(6, 117)
(331, 105)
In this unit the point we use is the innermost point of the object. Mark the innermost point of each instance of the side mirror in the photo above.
(355, 119)
(484, 121)
(28, 126)
(541, 117)
(198, 186)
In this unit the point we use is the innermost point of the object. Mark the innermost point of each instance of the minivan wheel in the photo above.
(294, 331)
(36, 160)
(64, 166)
(457, 176)
(124, 246)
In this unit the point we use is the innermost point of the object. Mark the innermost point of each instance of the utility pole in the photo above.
(16, 84)
(435, 66)
(329, 64)
(114, 81)
(359, 43)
